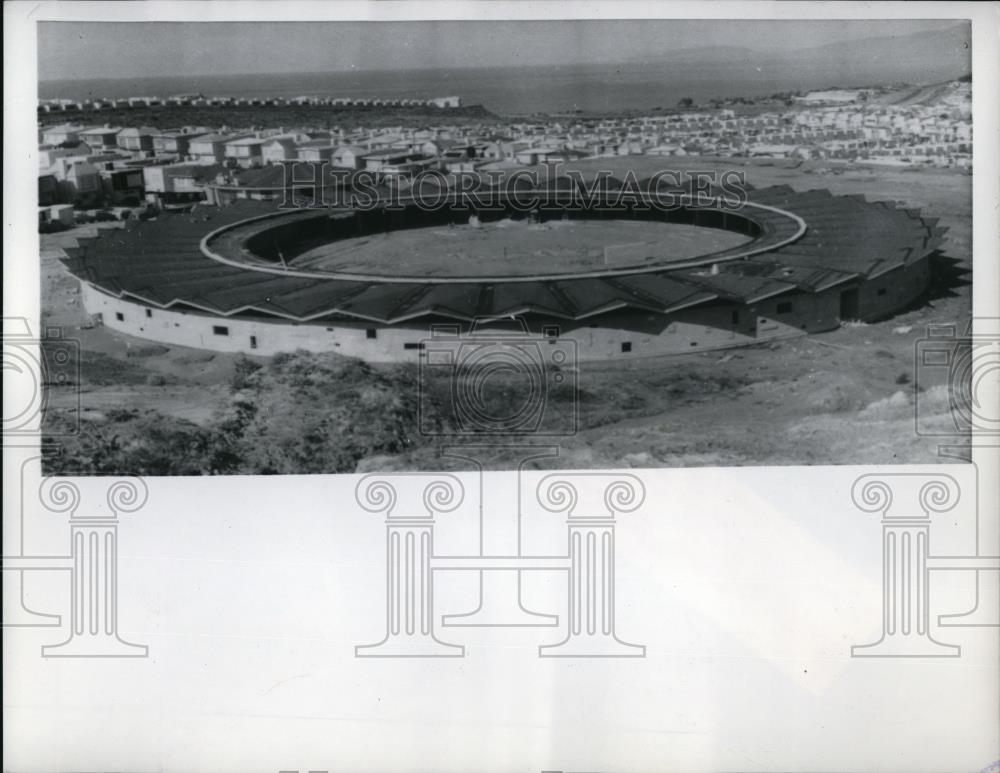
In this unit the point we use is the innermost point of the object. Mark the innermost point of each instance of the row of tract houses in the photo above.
(109, 165)
(936, 134)
(835, 125)
(93, 166)
(200, 100)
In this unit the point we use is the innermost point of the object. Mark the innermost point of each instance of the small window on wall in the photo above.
(550, 331)
(253, 342)
(371, 333)
(881, 291)
(119, 316)
(413, 346)
(626, 347)
(784, 308)
(149, 312)
(220, 330)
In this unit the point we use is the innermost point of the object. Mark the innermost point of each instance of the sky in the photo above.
(72, 50)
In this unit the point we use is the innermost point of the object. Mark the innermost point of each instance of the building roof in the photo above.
(141, 131)
(63, 128)
(101, 130)
(320, 143)
(160, 262)
(177, 133)
(285, 140)
(216, 138)
(200, 172)
(245, 141)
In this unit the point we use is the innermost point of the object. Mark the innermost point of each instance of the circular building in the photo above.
(619, 277)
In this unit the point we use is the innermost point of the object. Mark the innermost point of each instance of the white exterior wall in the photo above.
(154, 180)
(274, 152)
(688, 331)
(207, 152)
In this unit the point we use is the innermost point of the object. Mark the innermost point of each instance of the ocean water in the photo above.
(522, 90)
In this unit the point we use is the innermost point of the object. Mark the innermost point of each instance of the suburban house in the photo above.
(137, 140)
(349, 157)
(173, 185)
(279, 148)
(63, 214)
(385, 140)
(210, 148)
(100, 137)
(398, 164)
(57, 135)
(47, 155)
(175, 143)
(315, 150)
(79, 181)
(123, 186)
(245, 151)
(532, 156)
(48, 190)
(383, 160)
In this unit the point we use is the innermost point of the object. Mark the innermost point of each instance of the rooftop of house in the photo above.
(175, 133)
(246, 142)
(200, 172)
(64, 127)
(99, 131)
(287, 140)
(141, 131)
(213, 139)
(392, 153)
(321, 143)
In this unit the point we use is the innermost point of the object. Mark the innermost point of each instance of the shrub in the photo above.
(121, 415)
(131, 445)
(243, 372)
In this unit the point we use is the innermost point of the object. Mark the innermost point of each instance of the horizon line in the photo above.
(665, 57)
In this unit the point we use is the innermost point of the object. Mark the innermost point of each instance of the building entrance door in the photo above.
(849, 304)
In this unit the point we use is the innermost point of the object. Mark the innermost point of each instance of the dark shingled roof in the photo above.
(161, 263)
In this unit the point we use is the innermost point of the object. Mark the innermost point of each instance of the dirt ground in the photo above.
(517, 248)
(844, 397)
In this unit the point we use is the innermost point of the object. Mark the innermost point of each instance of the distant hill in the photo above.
(918, 58)
(930, 56)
